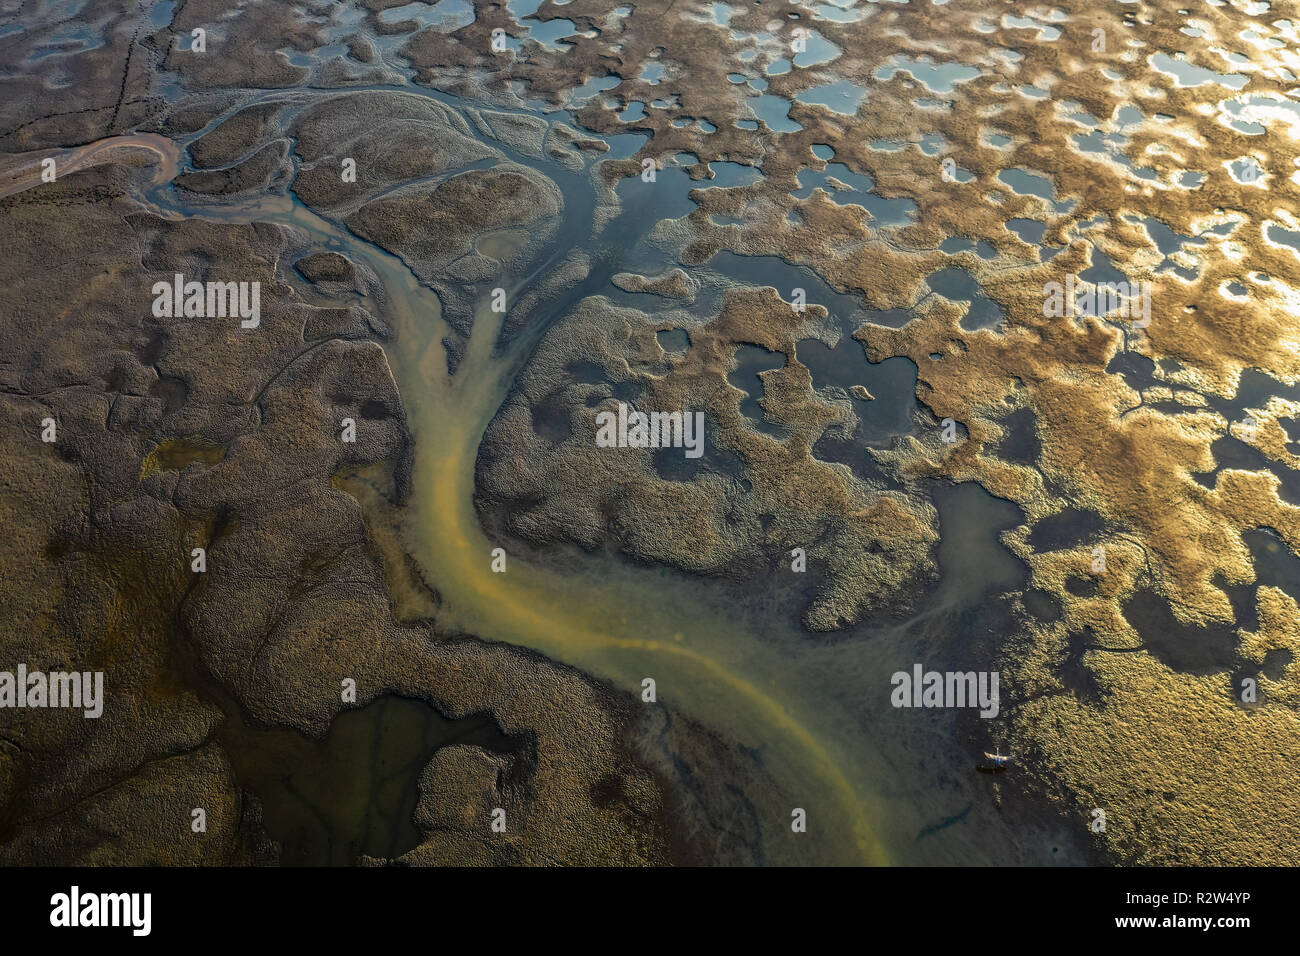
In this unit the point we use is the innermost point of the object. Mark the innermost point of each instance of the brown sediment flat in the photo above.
(1185, 772)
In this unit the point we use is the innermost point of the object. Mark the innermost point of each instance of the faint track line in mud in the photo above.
(21, 7)
(121, 100)
(112, 784)
(37, 396)
(316, 346)
(88, 109)
(126, 77)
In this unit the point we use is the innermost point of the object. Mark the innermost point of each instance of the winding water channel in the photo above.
(812, 712)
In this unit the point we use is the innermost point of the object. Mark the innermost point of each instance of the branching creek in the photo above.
(879, 785)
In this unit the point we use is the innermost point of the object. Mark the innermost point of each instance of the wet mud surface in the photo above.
(831, 230)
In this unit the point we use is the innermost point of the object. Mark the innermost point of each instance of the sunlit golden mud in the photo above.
(1194, 112)
(1106, 715)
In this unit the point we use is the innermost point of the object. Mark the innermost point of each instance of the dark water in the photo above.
(772, 271)
(353, 792)
(672, 464)
(751, 360)
(1065, 529)
(971, 555)
(1182, 647)
(673, 340)
(1019, 443)
(958, 285)
(891, 383)
(1276, 565)
(884, 212)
